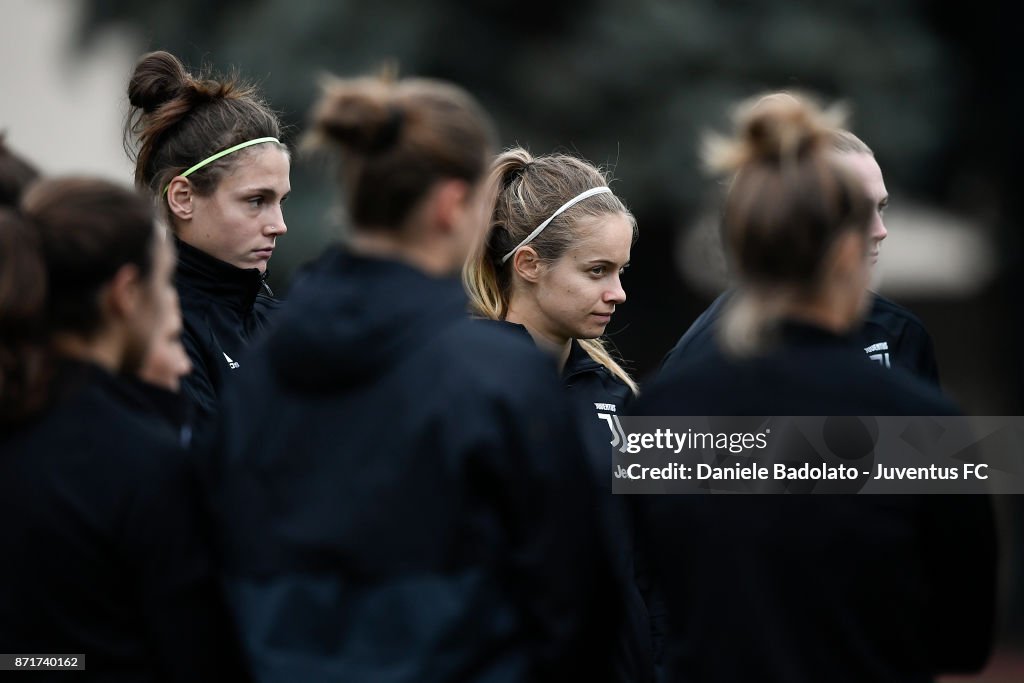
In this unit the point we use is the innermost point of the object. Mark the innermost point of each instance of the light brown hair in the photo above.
(396, 139)
(788, 201)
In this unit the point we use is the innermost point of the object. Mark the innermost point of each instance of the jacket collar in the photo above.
(199, 271)
(578, 362)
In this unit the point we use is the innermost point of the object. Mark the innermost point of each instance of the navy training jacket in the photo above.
(807, 588)
(402, 495)
(890, 335)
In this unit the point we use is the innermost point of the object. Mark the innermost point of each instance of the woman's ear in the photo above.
(123, 295)
(450, 201)
(527, 264)
(179, 198)
(850, 256)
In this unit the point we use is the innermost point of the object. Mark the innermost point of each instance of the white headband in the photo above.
(540, 228)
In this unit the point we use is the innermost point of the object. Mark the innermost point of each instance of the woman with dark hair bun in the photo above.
(418, 507)
(101, 520)
(840, 588)
(209, 151)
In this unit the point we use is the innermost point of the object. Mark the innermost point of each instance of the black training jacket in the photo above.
(223, 309)
(169, 407)
(599, 398)
(407, 500)
(810, 588)
(890, 335)
(106, 541)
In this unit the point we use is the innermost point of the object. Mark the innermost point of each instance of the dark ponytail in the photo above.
(24, 362)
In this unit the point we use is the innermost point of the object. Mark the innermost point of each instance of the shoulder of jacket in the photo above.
(892, 317)
(490, 357)
(890, 307)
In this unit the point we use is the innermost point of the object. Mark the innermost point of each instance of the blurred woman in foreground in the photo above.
(100, 515)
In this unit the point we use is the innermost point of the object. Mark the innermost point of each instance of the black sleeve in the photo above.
(198, 386)
(917, 352)
(561, 565)
(167, 545)
(699, 337)
(960, 556)
(657, 610)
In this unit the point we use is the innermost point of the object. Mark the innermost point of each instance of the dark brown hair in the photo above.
(87, 229)
(24, 367)
(178, 119)
(16, 174)
(71, 238)
(398, 138)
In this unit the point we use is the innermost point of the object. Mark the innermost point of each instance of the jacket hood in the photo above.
(350, 317)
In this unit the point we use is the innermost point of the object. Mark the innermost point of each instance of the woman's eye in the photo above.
(255, 202)
(597, 270)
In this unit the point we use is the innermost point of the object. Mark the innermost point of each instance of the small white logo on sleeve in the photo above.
(879, 353)
(231, 364)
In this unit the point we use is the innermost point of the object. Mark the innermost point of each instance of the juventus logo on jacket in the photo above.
(618, 436)
(879, 353)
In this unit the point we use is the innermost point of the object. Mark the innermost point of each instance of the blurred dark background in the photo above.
(631, 85)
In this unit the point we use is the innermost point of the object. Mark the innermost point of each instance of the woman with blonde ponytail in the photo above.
(552, 259)
(550, 266)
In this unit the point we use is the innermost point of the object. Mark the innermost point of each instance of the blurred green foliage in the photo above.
(630, 85)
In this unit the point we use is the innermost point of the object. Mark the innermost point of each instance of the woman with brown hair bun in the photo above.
(418, 507)
(208, 151)
(808, 588)
(103, 529)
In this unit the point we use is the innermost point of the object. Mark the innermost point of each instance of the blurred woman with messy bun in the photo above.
(794, 226)
(100, 513)
(208, 150)
(837, 588)
(419, 508)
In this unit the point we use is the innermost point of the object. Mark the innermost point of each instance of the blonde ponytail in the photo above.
(596, 349)
(525, 191)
